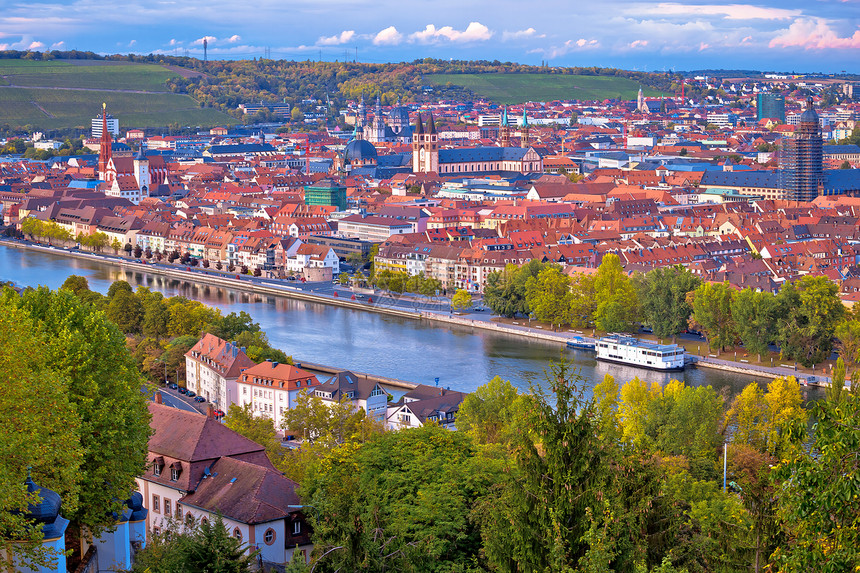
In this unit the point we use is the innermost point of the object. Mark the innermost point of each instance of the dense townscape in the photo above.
(156, 434)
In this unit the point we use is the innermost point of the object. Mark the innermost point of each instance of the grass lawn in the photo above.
(518, 88)
(62, 74)
(72, 108)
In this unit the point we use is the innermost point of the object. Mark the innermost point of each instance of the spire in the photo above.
(419, 127)
(525, 122)
(432, 127)
(505, 117)
(105, 145)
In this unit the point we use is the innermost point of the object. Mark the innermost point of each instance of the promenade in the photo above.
(407, 306)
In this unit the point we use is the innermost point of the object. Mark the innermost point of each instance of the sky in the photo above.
(771, 35)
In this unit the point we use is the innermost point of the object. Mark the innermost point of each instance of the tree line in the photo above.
(802, 319)
(630, 479)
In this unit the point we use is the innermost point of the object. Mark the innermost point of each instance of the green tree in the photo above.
(549, 297)
(156, 317)
(195, 546)
(848, 333)
(260, 429)
(126, 311)
(809, 312)
(400, 502)
(104, 386)
(115, 245)
(39, 432)
(818, 504)
(754, 315)
(662, 297)
(333, 423)
(77, 284)
(538, 518)
(461, 299)
(615, 296)
(712, 311)
(505, 291)
(582, 301)
(489, 413)
(229, 327)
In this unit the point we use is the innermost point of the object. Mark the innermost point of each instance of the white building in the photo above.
(198, 467)
(313, 257)
(271, 388)
(212, 368)
(112, 126)
(365, 394)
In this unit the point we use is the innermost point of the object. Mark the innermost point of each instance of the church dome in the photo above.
(809, 116)
(359, 150)
(399, 115)
(48, 507)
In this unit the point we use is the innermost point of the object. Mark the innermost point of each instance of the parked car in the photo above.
(219, 413)
(199, 399)
(183, 390)
(173, 386)
(191, 393)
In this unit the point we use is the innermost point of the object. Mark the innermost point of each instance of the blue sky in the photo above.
(783, 35)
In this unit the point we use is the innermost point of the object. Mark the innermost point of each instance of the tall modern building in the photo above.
(99, 121)
(326, 192)
(770, 105)
(801, 159)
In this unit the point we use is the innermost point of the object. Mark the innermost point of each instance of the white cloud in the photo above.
(35, 46)
(814, 34)
(520, 34)
(569, 46)
(474, 32)
(132, 43)
(209, 39)
(342, 38)
(638, 44)
(728, 11)
(234, 38)
(174, 42)
(58, 45)
(388, 37)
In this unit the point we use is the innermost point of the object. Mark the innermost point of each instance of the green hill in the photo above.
(519, 88)
(67, 94)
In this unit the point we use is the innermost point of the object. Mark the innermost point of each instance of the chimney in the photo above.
(158, 399)
(275, 364)
(243, 350)
(210, 411)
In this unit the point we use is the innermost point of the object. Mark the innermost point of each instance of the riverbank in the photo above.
(410, 308)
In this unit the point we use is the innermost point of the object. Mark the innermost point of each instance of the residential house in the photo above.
(213, 367)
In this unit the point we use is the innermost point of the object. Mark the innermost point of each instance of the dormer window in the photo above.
(157, 466)
(175, 470)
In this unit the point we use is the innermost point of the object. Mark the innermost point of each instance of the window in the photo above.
(237, 533)
(174, 474)
(203, 521)
(269, 536)
(156, 505)
(166, 506)
(156, 531)
(297, 527)
(156, 470)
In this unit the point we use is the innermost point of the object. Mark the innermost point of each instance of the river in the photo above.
(416, 351)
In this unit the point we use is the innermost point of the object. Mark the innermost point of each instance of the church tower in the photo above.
(417, 143)
(431, 148)
(505, 130)
(361, 118)
(142, 173)
(641, 106)
(525, 140)
(105, 144)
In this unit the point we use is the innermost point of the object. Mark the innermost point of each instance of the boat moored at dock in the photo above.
(632, 351)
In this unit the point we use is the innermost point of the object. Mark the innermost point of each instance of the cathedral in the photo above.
(395, 130)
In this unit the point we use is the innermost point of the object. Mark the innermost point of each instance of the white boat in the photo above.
(631, 351)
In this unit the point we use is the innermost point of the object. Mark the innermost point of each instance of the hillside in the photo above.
(65, 94)
(518, 88)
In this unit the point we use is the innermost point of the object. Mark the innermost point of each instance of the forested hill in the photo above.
(225, 84)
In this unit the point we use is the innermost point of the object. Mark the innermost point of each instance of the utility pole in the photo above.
(205, 50)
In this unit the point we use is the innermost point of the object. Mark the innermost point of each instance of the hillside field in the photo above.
(519, 88)
(67, 94)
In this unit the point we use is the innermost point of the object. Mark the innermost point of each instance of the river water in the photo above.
(462, 358)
